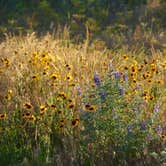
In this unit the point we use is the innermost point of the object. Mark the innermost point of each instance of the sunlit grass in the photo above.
(60, 101)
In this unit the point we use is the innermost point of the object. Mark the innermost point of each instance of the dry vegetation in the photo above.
(50, 98)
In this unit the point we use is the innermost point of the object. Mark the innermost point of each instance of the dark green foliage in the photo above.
(21, 16)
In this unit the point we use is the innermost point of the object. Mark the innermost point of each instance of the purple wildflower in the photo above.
(143, 126)
(103, 94)
(159, 129)
(121, 91)
(129, 130)
(79, 90)
(97, 79)
(117, 75)
(157, 107)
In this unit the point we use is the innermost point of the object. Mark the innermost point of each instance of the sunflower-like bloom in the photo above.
(2, 116)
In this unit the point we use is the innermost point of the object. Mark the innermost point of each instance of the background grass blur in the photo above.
(136, 23)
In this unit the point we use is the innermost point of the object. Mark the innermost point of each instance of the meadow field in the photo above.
(77, 104)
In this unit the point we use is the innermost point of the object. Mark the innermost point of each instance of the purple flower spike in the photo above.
(143, 126)
(117, 75)
(159, 129)
(97, 79)
(121, 91)
(129, 128)
(103, 94)
(157, 107)
(79, 90)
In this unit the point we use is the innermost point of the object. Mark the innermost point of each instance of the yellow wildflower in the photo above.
(90, 108)
(69, 77)
(27, 106)
(43, 108)
(2, 116)
(125, 57)
(153, 67)
(54, 76)
(75, 122)
(31, 118)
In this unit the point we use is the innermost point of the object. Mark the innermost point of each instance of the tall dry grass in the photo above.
(46, 85)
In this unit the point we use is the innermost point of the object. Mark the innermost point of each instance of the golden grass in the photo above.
(35, 70)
